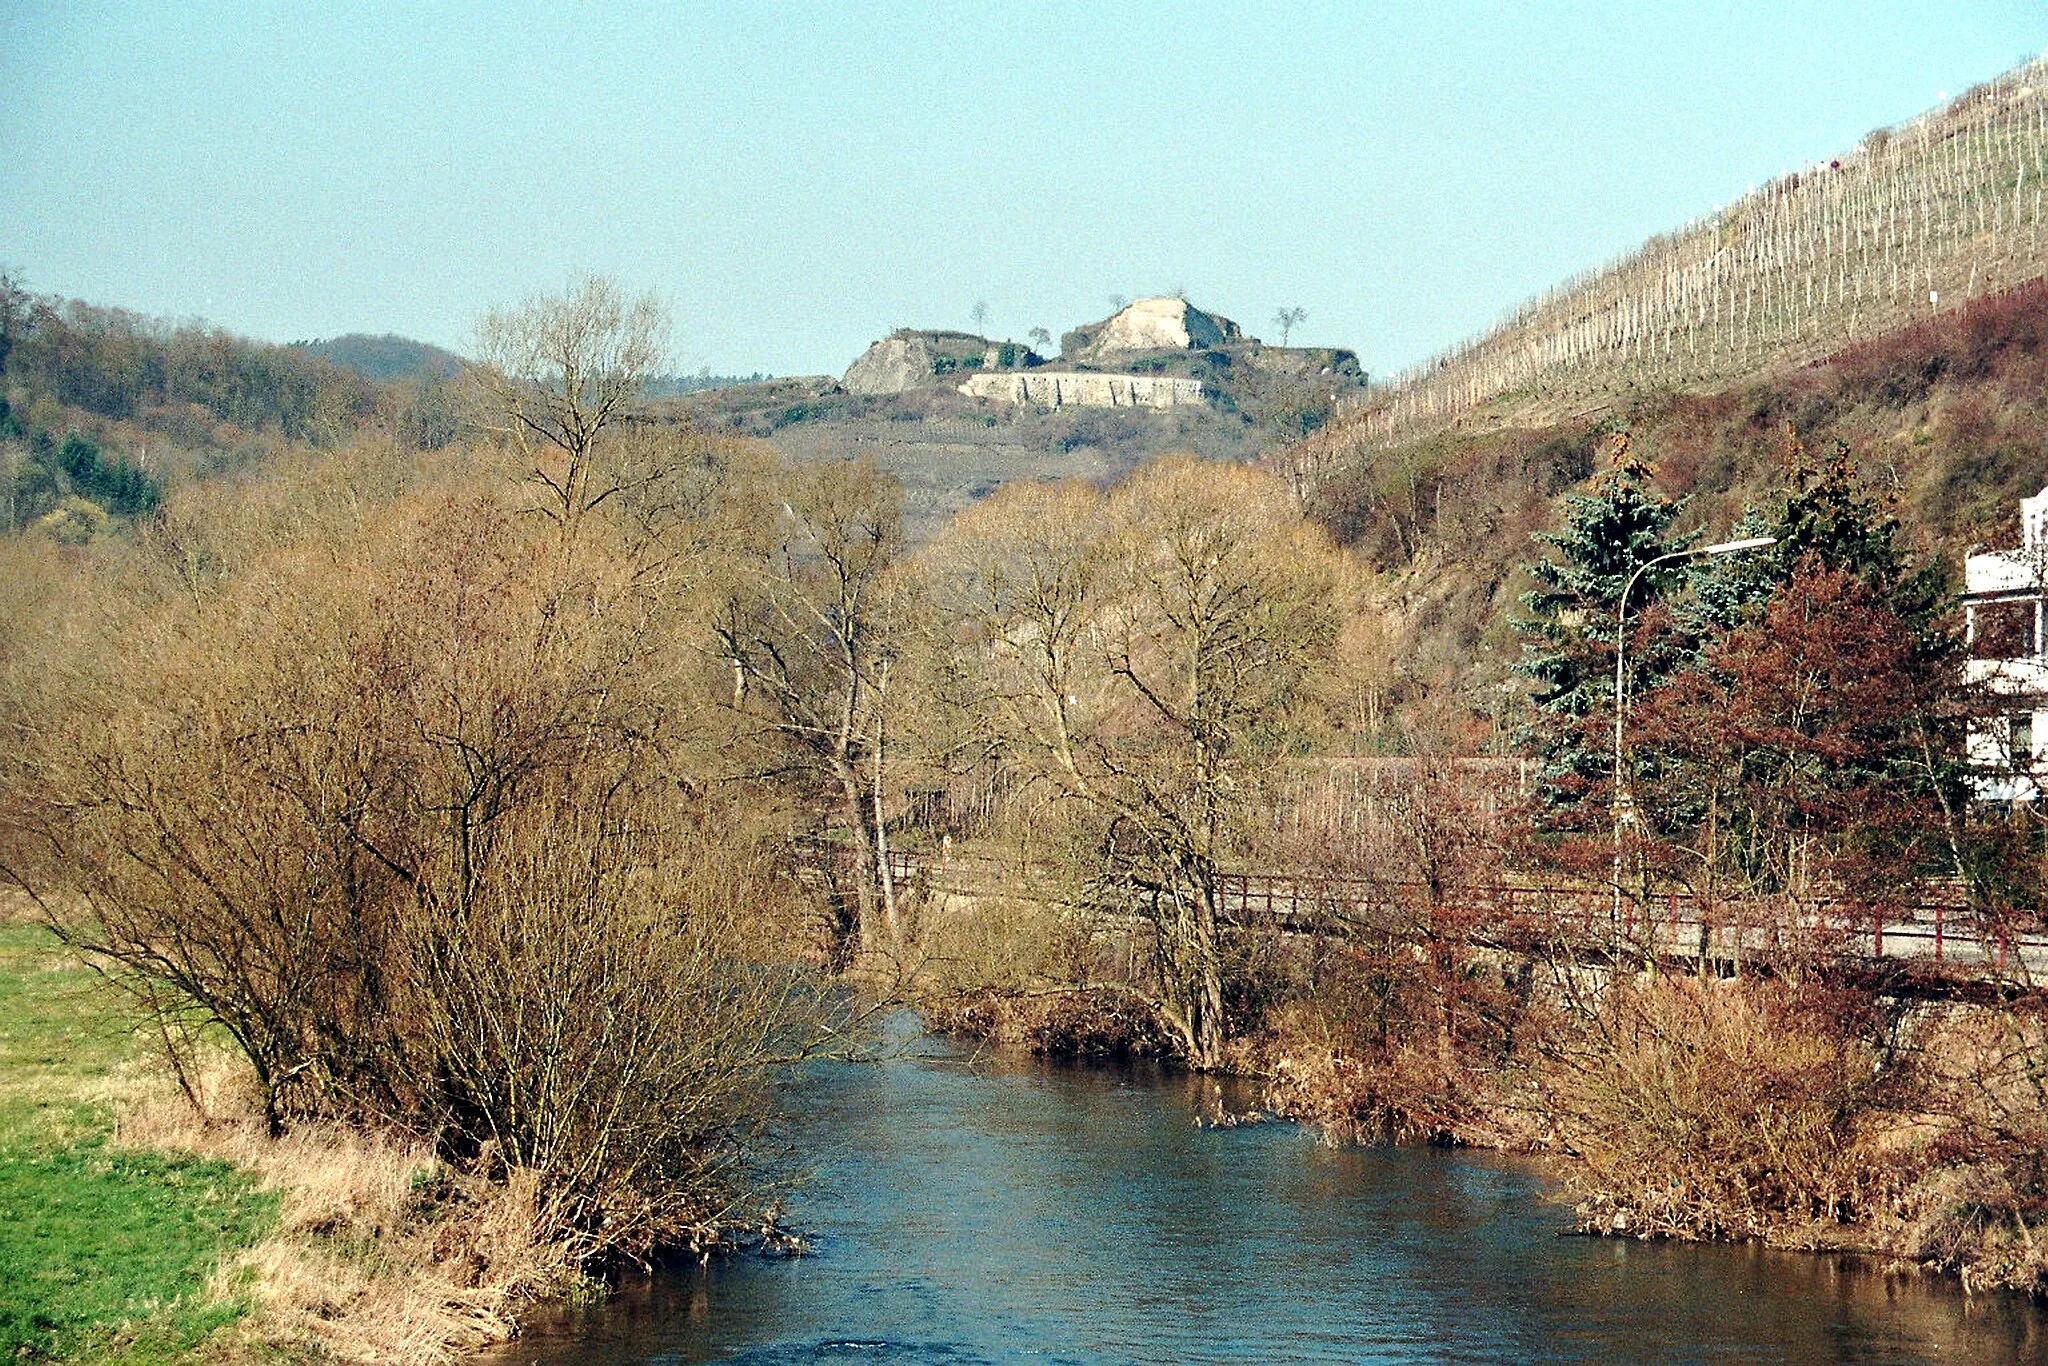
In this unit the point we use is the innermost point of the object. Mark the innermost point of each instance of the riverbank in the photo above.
(139, 1223)
(105, 1251)
(976, 1204)
(1781, 1112)
(1777, 1110)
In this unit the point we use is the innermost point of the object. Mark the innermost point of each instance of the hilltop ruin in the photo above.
(1154, 353)
(909, 358)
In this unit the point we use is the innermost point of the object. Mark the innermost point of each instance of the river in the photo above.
(983, 1209)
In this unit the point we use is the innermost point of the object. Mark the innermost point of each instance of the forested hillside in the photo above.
(1947, 418)
(385, 357)
(100, 406)
(1890, 300)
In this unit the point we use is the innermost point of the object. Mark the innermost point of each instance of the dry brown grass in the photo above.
(1981, 1210)
(381, 1252)
(1716, 1110)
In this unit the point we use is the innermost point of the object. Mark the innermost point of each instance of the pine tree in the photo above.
(1568, 634)
(1823, 519)
(1816, 705)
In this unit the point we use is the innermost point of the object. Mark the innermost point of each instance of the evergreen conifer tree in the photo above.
(1568, 632)
(1822, 519)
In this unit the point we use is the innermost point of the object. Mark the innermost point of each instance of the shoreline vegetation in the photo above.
(1698, 1109)
(473, 836)
(177, 1226)
(338, 1243)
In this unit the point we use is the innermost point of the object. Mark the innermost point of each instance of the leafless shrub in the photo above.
(1411, 1025)
(408, 817)
(1722, 1109)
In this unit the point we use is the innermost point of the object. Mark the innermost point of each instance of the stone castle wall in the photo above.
(1067, 389)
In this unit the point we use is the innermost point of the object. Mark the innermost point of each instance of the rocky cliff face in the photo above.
(891, 365)
(1066, 389)
(1150, 325)
(909, 357)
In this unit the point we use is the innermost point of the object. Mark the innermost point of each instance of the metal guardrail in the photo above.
(1932, 932)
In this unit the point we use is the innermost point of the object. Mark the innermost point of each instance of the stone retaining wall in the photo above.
(1069, 389)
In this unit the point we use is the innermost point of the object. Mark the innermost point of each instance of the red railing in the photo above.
(1303, 903)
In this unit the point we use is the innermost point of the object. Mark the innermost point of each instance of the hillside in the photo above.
(1917, 219)
(902, 401)
(1947, 416)
(385, 357)
(99, 407)
(1891, 300)
(949, 449)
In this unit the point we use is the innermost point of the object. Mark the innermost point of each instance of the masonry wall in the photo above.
(1074, 390)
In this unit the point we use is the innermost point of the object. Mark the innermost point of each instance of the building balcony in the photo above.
(2010, 677)
(2001, 572)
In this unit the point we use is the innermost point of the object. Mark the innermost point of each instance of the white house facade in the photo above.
(2002, 605)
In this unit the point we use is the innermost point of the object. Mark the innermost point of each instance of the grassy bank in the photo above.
(106, 1253)
(136, 1226)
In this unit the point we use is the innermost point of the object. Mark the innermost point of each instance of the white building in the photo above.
(2002, 605)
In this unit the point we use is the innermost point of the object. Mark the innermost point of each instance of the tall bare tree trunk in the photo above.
(866, 911)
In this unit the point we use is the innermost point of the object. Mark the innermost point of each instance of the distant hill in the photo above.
(385, 357)
(1917, 219)
(673, 386)
(1278, 392)
(902, 400)
(102, 409)
(202, 387)
(950, 449)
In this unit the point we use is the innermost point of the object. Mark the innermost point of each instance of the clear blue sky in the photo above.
(798, 179)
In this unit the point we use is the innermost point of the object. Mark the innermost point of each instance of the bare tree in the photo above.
(811, 636)
(400, 814)
(14, 304)
(1041, 341)
(1287, 319)
(1138, 653)
(555, 374)
(980, 316)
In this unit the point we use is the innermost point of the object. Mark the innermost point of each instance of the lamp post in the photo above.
(1623, 804)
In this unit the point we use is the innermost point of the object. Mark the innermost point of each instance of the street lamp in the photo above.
(1622, 803)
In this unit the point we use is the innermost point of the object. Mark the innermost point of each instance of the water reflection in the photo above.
(1002, 1210)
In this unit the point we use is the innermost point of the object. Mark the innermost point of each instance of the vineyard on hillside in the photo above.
(1917, 219)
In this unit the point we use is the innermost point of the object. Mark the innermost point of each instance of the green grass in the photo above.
(105, 1254)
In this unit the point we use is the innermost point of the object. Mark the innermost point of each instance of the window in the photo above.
(2020, 740)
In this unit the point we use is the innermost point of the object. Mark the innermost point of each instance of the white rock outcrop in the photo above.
(1150, 325)
(893, 364)
(1073, 389)
(1154, 324)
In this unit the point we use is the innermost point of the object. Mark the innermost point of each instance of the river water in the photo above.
(979, 1209)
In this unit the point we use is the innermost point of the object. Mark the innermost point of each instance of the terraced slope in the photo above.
(1914, 221)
